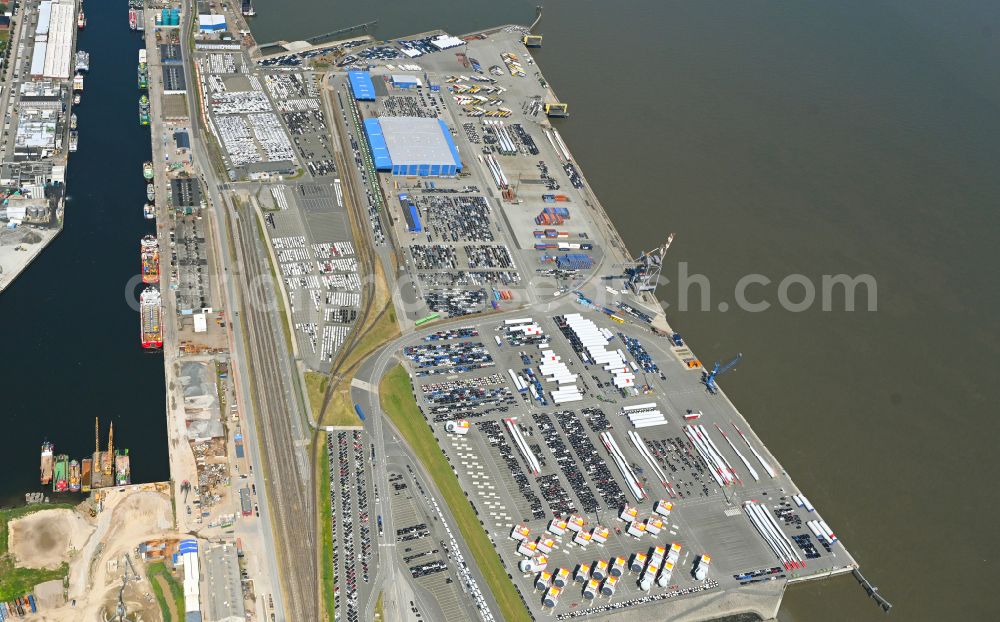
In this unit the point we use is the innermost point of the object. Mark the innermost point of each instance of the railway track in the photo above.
(292, 493)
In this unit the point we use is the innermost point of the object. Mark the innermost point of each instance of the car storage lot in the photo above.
(576, 474)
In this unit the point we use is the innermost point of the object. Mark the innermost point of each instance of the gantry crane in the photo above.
(708, 377)
(643, 274)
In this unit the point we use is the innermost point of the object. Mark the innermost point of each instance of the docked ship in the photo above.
(74, 139)
(76, 99)
(149, 318)
(78, 83)
(151, 193)
(147, 171)
(133, 19)
(81, 20)
(122, 468)
(150, 250)
(247, 8)
(142, 75)
(143, 110)
(86, 473)
(149, 211)
(60, 481)
(72, 121)
(46, 466)
(74, 476)
(82, 62)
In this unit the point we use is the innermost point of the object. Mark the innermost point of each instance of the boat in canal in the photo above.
(150, 332)
(60, 481)
(74, 476)
(46, 463)
(86, 474)
(82, 62)
(123, 472)
(143, 110)
(150, 250)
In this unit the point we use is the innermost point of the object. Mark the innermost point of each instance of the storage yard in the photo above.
(607, 474)
(579, 447)
(608, 470)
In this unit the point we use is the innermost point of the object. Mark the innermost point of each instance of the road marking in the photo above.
(361, 384)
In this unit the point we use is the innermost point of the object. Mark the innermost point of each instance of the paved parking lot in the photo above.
(352, 523)
(317, 265)
(423, 554)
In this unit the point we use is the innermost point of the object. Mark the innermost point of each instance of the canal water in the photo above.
(69, 339)
(805, 138)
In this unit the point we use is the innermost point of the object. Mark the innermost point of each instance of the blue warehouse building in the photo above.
(361, 85)
(413, 146)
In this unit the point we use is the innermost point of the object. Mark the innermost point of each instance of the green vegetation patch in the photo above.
(16, 581)
(316, 388)
(397, 401)
(159, 569)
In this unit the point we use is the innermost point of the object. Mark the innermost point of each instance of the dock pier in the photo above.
(882, 601)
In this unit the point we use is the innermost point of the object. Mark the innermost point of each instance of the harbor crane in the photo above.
(708, 377)
(643, 273)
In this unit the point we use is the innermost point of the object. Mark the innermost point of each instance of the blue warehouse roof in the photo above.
(376, 141)
(361, 85)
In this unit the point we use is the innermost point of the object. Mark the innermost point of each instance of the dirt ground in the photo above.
(128, 518)
(48, 538)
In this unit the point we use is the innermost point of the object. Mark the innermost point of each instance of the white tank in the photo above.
(600, 570)
(618, 567)
(701, 571)
(609, 587)
(665, 574)
(551, 597)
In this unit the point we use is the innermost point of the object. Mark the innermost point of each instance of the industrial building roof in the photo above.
(35, 133)
(398, 78)
(376, 140)
(222, 582)
(173, 79)
(212, 22)
(44, 14)
(38, 58)
(182, 139)
(361, 84)
(60, 42)
(417, 140)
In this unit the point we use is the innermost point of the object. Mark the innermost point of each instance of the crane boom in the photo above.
(717, 370)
